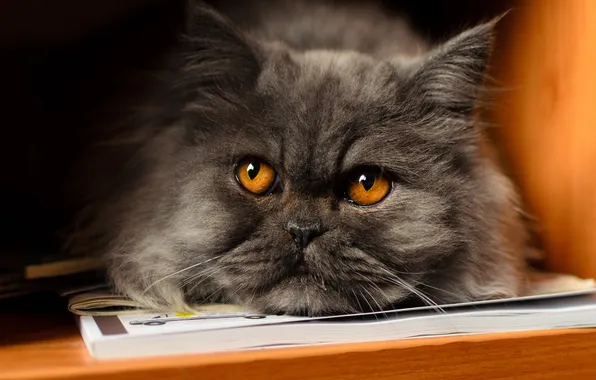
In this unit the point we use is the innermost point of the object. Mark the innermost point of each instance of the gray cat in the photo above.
(306, 157)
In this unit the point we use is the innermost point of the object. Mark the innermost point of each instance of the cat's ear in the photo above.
(215, 51)
(452, 75)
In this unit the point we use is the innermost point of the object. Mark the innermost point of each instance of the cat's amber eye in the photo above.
(367, 187)
(255, 175)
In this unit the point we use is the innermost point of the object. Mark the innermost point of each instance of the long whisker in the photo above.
(439, 289)
(180, 271)
(389, 301)
(357, 300)
(398, 281)
(409, 273)
(205, 278)
(253, 294)
(374, 300)
(214, 293)
(416, 292)
(423, 296)
(197, 275)
(368, 303)
(229, 297)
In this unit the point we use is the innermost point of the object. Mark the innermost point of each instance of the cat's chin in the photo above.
(302, 296)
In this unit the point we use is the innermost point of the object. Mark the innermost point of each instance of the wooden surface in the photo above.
(48, 346)
(548, 119)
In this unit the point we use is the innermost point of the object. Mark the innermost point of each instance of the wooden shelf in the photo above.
(47, 345)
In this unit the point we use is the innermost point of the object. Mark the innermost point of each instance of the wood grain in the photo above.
(548, 121)
(539, 355)
(47, 345)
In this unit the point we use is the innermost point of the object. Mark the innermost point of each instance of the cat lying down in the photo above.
(297, 157)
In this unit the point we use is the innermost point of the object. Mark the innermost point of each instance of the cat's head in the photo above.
(319, 182)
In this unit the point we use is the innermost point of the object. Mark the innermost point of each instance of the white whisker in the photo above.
(389, 301)
(439, 289)
(374, 300)
(214, 293)
(180, 271)
(205, 278)
(398, 281)
(357, 300)
(194, 276)
(368, 303)
(229, 297)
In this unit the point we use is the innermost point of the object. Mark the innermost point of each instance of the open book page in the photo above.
(164, 323)
(102, 302)
(546, 283)
(176, 333)
(563, 310)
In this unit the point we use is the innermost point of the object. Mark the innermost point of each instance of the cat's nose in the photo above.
(304, 233)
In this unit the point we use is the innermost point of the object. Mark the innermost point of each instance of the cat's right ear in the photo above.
(215, 52)
(451, 76)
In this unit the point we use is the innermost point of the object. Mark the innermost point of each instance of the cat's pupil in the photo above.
(253, 169)
(367, 181)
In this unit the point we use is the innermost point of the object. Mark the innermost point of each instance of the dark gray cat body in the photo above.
(317, 93)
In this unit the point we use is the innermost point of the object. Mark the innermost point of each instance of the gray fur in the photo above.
(177, 228)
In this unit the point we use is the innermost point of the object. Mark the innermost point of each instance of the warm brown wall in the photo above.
(548, 119)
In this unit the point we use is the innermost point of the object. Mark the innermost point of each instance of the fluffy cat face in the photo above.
(312, 182)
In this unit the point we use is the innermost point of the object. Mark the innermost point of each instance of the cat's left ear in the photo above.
(451, 76)
(215, 55)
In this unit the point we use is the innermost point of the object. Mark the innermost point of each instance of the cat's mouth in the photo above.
(305, 292)
(310, 285)
(299, 270)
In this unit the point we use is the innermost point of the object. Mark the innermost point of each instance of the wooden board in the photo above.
(546, 64)
(47, 345)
